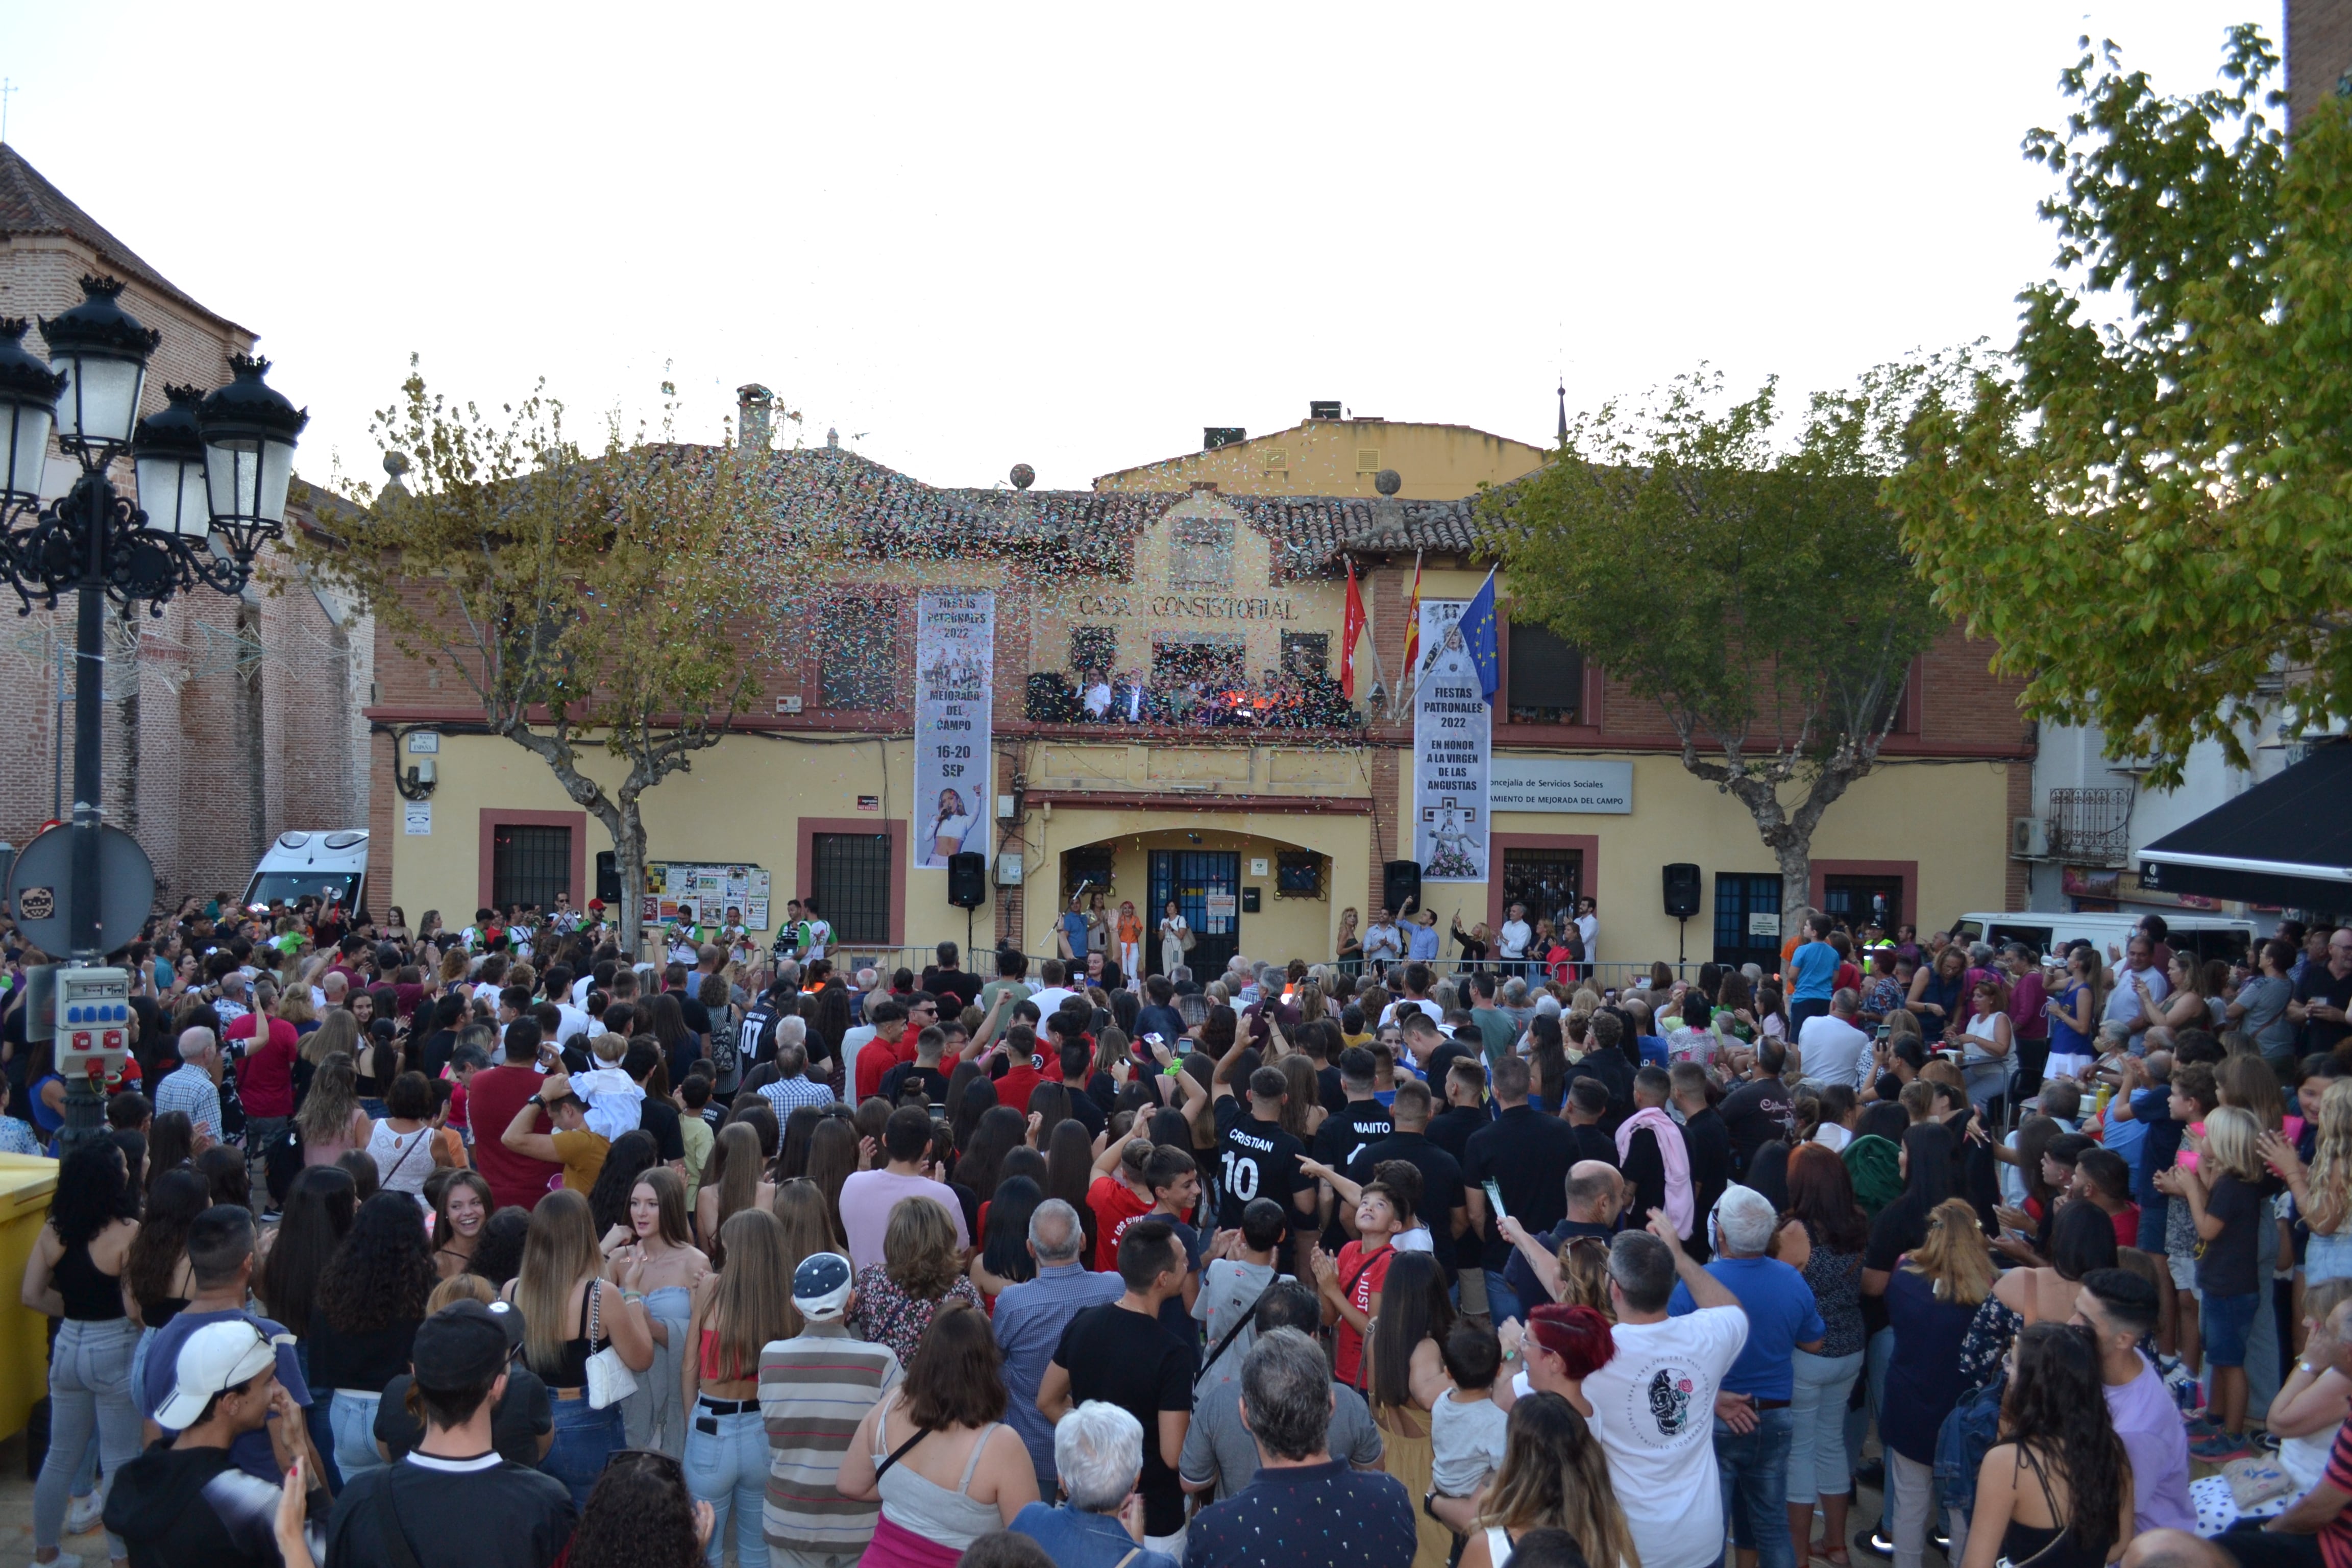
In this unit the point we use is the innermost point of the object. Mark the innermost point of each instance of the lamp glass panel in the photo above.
(100, 401)
(26, 427)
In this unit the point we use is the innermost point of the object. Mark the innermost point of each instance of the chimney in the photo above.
(754, 411)
(1215, 435)
(1319, 408)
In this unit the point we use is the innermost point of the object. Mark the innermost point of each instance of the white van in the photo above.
(316, 864)
(2047, 933)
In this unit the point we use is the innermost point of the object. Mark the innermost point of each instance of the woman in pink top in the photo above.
(331, 1120)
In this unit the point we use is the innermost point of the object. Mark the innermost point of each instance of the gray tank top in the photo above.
(921, 1505)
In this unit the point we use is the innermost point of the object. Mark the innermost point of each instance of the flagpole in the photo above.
(1412, 610)
(1380, 676)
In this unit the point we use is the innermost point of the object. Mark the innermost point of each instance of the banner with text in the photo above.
(955, 680)
(1452, 735)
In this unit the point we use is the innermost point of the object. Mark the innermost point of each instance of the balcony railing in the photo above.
(2091, 826)
(1054, 698)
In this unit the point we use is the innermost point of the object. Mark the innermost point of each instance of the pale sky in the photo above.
(969, 236)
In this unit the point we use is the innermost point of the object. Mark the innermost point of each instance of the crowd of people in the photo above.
(428, 1247)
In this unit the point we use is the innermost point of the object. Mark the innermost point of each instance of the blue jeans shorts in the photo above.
(2224, 1321)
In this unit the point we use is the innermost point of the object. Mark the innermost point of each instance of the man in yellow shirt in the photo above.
(580, 1151)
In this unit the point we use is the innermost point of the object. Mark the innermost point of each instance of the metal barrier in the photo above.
(850, 957)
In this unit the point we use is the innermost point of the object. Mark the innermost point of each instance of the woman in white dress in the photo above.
(1173, 934)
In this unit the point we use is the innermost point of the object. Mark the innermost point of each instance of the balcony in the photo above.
(1292, 703)
(2091, 826)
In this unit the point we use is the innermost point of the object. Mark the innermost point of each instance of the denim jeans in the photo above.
(584, 1436)
(1502, 1302)
(352, 1416)
(1817, 1456)
(90, 1389)
(1754, 1470)
(728, 1468)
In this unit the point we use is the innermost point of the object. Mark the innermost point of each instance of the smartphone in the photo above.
(1494, 1199)
(1883, 1031)
(1184, 1045)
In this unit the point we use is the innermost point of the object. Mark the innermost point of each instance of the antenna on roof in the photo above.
(7, 88)
(1563, 408)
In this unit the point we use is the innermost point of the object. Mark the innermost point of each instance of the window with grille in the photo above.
(1204, 552)
(1545, 683)
(1306, 653)
(858, 653)
(1548, 881)
(1093, 649)
(851, 883)
(530, 865)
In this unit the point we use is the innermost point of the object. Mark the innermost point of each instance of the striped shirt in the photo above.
(814, 1391)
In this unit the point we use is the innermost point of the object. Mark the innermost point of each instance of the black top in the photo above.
(572, 1371)
(360, 1363)
(1254, 1159)
(1450, 1128)
(1345, 1134)
(1613, 1073)
(433, 1057)
(1131, 1361)
(933, 1081)
(2318, 985)
(1709, 1141)
(1527, 1155)
(194, 1508)
(91, 1294)
(2023, 1543)
(454, 1514)
(959, 983)
(1757, 1113)
(1165, 1022)
(659, 1117)
(523, 1415)
(2225, 1264)
(1592, 1143)
(1441, 1186)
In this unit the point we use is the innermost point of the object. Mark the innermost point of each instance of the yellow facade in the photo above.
(1340, 457)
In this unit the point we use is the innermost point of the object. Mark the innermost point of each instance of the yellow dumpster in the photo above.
(26, 1184)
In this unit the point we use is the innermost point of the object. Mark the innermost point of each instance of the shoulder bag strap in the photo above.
(395, 1544)
(1235, 1332)
(1132, 1553)
(896, 1454)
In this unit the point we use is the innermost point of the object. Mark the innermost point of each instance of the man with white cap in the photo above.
(814, 1388)
(454, 1501)
(187, 1500)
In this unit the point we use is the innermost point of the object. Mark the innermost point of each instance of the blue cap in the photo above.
(820, 1285)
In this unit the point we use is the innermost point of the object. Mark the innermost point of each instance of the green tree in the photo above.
(1755, 590)
(623, 601)
(2147, 505)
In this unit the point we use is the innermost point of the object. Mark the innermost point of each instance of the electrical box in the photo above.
(1008, 870)
(94, 1020)
(1249, 901)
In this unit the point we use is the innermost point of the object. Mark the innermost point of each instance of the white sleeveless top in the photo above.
(403, 1161)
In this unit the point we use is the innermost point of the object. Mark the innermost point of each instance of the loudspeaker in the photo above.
(1682, 890)
(608, 878)
(968, 880)
(1399, 884)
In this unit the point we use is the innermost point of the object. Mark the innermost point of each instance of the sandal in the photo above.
(1820, 1547)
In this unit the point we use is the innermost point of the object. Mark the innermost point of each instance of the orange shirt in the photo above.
(1130, 929)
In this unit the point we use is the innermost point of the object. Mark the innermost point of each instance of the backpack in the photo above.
(1968, 1434)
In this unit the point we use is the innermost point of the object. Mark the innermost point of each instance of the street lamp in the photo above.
(213, 472)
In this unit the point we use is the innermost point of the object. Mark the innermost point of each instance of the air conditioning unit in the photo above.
(788, 704)
(2029, 838)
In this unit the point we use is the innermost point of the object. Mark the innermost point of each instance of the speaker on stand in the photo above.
(1400, 884)
(1682, 882)
(966, 887)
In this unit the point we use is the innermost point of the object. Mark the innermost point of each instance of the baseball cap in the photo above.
(466, 1345)
(820, 1286)
(213, 1360)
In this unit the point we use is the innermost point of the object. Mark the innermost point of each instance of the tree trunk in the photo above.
(1794, 852)
(629, 859)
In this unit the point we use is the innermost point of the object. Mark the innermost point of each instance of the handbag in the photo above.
(609, 1380)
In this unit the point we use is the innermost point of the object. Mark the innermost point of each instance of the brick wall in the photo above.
(2318, 52)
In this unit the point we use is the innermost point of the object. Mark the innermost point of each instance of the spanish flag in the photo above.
(1412, 620)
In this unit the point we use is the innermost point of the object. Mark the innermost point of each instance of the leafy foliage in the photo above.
(2146, 505)
(1757, 592)
(624, 602)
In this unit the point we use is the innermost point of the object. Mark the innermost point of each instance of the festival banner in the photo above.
(955, 672)
(1452, 740)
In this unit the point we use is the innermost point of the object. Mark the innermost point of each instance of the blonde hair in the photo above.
(751, 1302)
(460, 1288)
(334, 1099)
(337, 1031)
(2331, 1161)
(1954, 1256)
(2233, 1143)
(559, 1251)
(918, 1250)
(1538, 1486)
(1584, 1274)
(294, 1006)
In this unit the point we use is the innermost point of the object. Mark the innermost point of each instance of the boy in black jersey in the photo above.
(1255, 1158)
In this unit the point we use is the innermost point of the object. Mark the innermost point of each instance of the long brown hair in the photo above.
(669, 1194)
(1553, 1475)
(480, 1185)
(558, 1252)
(752, 1301)
(807, 1224)
(957, 1376)
(734, 1169)
(334, 1098)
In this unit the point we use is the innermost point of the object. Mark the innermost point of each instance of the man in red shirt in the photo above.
(493, 1095)
(1030, 1066)
(265, 1079)
(893, 1043)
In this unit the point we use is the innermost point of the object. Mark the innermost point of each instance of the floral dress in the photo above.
(887, 1314)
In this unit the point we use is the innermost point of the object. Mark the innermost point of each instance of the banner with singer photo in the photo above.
(955, 683)
(1452, 740)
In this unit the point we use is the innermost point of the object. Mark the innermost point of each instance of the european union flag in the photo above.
(1478, 637)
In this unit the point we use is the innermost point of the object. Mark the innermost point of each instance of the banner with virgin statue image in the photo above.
(955, 680)
(1452, 740)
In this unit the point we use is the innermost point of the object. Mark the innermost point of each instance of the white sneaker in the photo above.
(62, 1560)
(84, 1514)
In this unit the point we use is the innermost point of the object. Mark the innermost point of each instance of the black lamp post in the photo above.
(211, 473)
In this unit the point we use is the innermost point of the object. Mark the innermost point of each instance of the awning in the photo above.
(2286, 841)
